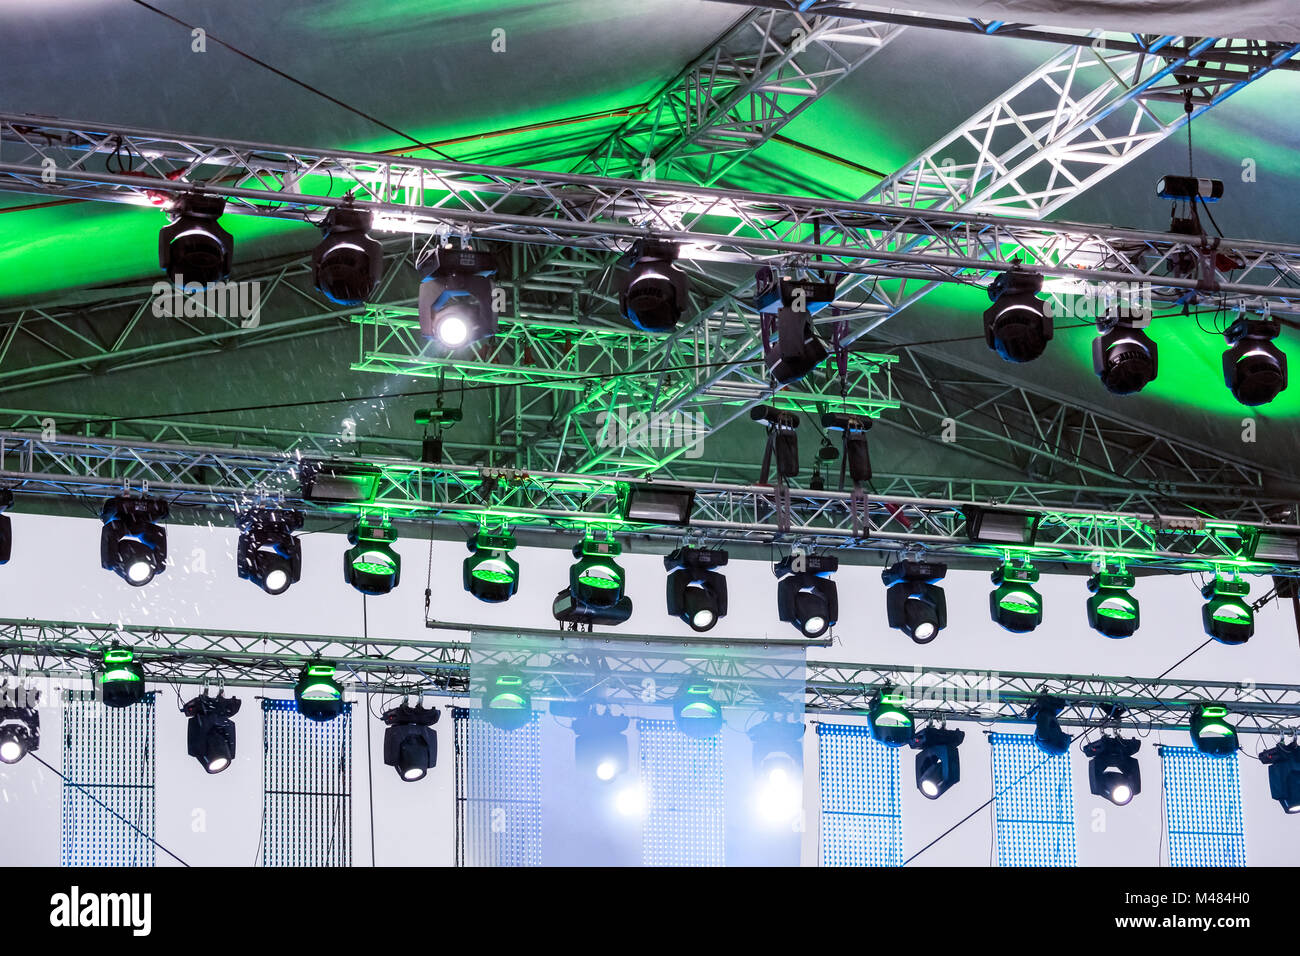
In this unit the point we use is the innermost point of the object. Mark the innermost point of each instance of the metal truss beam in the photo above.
(234, 479)
(624, 666)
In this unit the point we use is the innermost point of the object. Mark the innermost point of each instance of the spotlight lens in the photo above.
(218, 765)
(1121, 795)
(606, 770)
(139, 572)
(699, 708)
(493, 571)
(277, 581)
(925, 631)
(373, 562)
(11, 751)
(929, 788)
(1019, 602)
(814, 626)
(600, 576)
(453, 330)
(506, 701)
(1117, 608)
(413, 773)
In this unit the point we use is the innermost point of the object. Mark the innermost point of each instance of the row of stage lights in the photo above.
(134, 545)
(458, 304)
(601, 746)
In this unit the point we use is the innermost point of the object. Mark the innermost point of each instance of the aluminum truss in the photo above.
(624, 667)
(237, 478)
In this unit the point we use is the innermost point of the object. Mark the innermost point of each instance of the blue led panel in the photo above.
(306, 787)
(861, 815)
(1203, 808)
(685, 800)
(1034, 805)
(108, 789)
(499, 792)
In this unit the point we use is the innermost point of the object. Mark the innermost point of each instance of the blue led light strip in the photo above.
(108, 762)
(499, 809)
(861, 799)
(306, 787)
(1203, 808)
(1035, 806)
(685, 800)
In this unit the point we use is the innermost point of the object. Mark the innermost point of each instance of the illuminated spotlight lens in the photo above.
(277, 581)
(1117, 608)
(598, 576)
(11, 751)
(493, 571)
(218, 764)
(373, 562)
(453, 330)
(921, 621)
(139, 572)
(606, 770)
(1121, 795)
(703, 620)
(507, 701)
(814, 625)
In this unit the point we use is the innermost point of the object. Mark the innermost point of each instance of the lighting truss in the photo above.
(65, 651)
(564, 503)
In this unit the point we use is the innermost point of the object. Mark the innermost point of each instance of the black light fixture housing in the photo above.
(791, 346)
(853, 438)
(269, 552)
(210, 736)
(456, 296)
(348, 264)
(805, 596)
(914, 603)
(696, 593)
(489, 573)
(6, 527)
(1254, 369)
(777, 749)
(133, 544)
(1048, 735)
(1226, 614)
(1112, 610)
(338, 482)
(119, 679)
(1018, 325)
(656, 504)
(410, 742)
(889, 721)
(1014, 604)
(1113, 771)
(1211, 733)
(654, 292)
(1283, 762)
(596, 584)
(20, 723)
(193, 248)
(1124, 357)
(938, 764)
(371, 565)
(1001, 525)
(782, 441)
(318, 694)
(600, 747)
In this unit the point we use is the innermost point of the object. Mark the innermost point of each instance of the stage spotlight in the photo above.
(650, 504)
(1211, 733)
(853, 438)
(210, 737)
(119, 681)
(1113, 771)
(1253, 367)
(696, 593)
(1283, 762)
(1001, 525)
(318, 694)
(456, 302)
(938, 764)
(338, 482)
(371, 565)
(1048, 735)
(1112, 610)
(888, 721)
(489, 573)
(1123, 356)
(193, 248)
(655, 291)
(1014, 603)
(778, 768)
(20, 723)
(347, 265)
(507, 704)
(600, 746)
(914, 604)
(6, 527)
(269, 554)
(1226, 615)
(782, 442)
(596, 582)
(695, 712)
(1018, 325)
(791, 346)
(805, 596)
(410, 742)
(132, 543)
